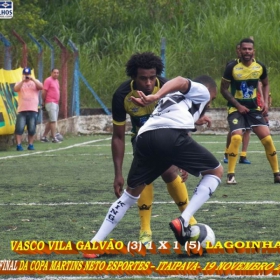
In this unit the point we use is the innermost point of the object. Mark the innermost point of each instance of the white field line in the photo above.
(55, 150)
(104, 145)
(155, 202)
(200, 142)
(130, 153)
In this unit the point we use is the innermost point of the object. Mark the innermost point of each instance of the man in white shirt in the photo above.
(164, 141)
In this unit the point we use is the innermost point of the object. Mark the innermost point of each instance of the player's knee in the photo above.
(236, 139)
(170, 174)
(267, 141)
(218, 172)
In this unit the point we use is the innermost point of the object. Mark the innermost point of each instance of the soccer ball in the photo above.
(202, 233)
(59, 137)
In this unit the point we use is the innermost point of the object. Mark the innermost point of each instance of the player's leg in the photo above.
(145, 168)
(144, 204)
(202, 193)
(145, 212)
(197, 160)
(245, 142)
(236, 123)
(264, 135)
(226, 149)
(177, 189)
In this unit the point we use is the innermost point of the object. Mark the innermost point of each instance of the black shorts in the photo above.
(238, 121)
(158, 149)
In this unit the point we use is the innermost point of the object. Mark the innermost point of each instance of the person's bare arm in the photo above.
(177, 84)
(18, 86)
(265, 92)
(204, 120)
(37, 83)
(227, 95)
(44, 94)
(118, 148)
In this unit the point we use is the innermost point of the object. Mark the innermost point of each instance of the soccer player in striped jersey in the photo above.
(164, 141)
(144, 70)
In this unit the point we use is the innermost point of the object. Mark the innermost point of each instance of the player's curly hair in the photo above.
(145, 60)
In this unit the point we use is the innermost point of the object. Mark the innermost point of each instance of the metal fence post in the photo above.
(75, 108)
(64, 77)
(7, 55)
(52, 50)
(24, 49)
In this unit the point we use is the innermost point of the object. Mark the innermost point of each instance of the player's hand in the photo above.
(143, 100)
(242, 109)
(265, 110)
(204, 120)
(184, 175)
(118, 186)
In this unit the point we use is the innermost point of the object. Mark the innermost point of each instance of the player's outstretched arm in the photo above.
(177, 84)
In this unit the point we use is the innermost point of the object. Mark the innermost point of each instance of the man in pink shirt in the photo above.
(50, 97)
(28, 100)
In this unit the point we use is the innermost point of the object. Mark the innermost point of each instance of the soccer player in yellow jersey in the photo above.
(242, 77)
(144, 70)
(246, 135)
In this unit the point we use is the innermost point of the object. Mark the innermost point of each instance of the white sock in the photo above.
(201, 194)
(114, 215)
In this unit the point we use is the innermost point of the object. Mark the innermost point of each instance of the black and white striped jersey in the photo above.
(179, 110)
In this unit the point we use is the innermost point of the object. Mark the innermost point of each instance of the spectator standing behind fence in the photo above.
(50, 100)
(28, 99)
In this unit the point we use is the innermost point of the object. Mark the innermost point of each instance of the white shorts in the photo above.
(52, 109)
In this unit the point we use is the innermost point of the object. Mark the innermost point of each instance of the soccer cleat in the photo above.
(30, 147)
(19, 147)
(231, 179)
(145, 238)
(44, 139)
(55, 140)
(244, 160)
(225, 158)
(277, 178)
(90, 256)
(182, 233)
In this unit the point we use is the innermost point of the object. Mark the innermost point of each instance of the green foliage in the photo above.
(201, 36)
(27, 18)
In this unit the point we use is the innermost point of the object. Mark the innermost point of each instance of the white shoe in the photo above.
(231, 179)
(55, 140)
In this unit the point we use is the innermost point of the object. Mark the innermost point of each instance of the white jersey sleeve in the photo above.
(179, 110)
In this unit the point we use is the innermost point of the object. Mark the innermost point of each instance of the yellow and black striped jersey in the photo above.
(122, 105)
(244, 83)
